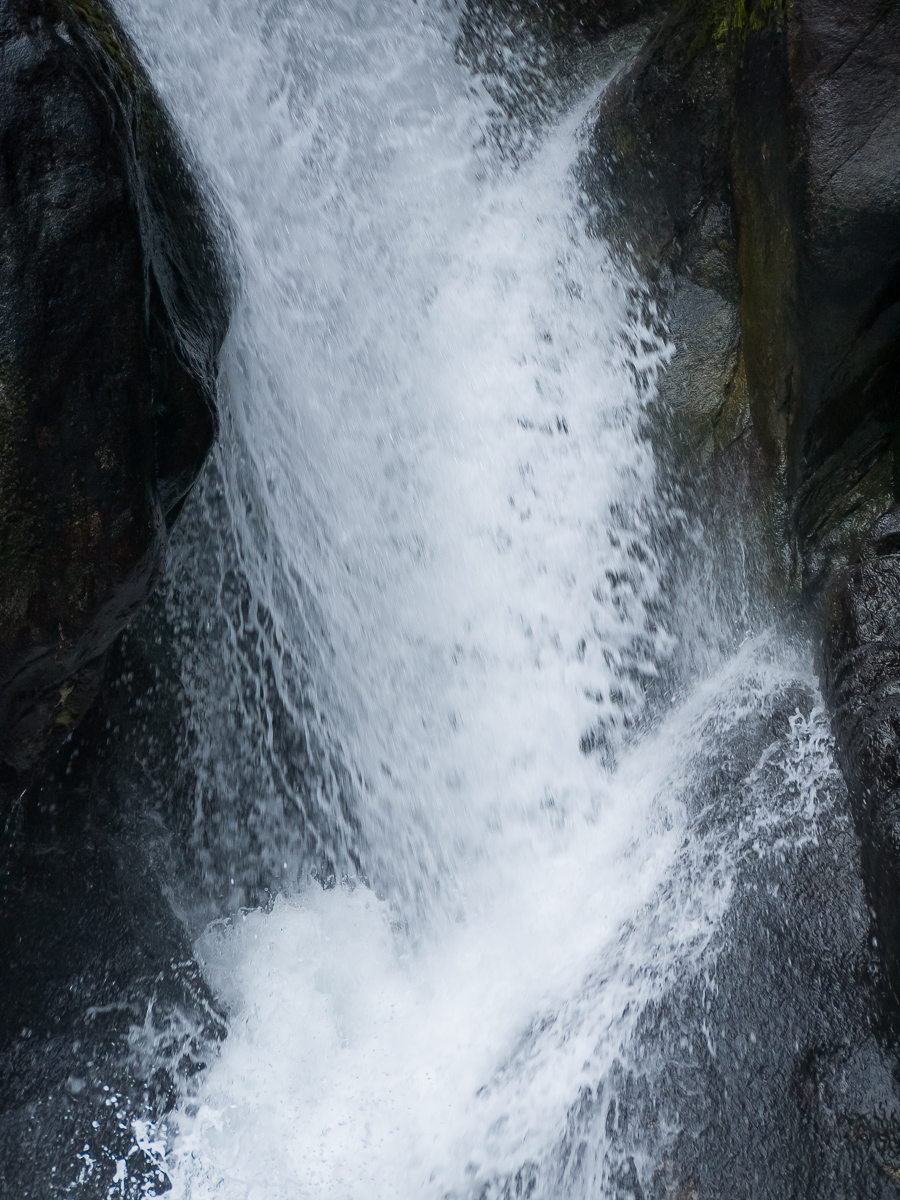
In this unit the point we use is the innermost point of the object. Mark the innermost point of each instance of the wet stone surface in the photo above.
(103, 1012)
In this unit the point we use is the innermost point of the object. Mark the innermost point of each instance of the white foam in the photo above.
(361, 1065)
(358, 1065)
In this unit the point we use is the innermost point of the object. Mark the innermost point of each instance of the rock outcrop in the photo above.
(749, 158)
(113, 307)
(861, 658)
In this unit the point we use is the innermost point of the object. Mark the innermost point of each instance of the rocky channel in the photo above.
(746, 160)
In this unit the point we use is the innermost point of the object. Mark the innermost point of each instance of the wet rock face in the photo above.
(104, 1014)
(752, 152)
(818, 206)
(862, 675)
(564, 19)
(112, 311)
(749, 159)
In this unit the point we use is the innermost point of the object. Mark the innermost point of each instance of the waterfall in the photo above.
(427, 609)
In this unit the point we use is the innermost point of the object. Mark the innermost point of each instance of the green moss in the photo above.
(105, 28)
(738, 18)
(95, 18)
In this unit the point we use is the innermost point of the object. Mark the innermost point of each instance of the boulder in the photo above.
(113, 308)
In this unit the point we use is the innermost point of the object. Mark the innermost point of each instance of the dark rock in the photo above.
(565, 19)
(753, 152)
(817, 169)
(861, 659)
(104, 1015)
(659, 144)
(784, 1083)
(112, 310)
(658, 176)
(762, 1070)
(749, 159)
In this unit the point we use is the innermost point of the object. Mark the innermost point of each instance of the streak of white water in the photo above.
(439, 381)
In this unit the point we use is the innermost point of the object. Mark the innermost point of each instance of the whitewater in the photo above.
(437, 486)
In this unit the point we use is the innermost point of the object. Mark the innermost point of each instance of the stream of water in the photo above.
(434, 394)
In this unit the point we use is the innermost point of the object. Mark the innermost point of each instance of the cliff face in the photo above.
(750, 156)
(750, 159)
(113, 307)
(817, 149)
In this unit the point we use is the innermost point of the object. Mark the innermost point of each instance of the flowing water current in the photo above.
(439, 569)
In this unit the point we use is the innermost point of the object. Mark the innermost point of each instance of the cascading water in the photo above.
(436, 565)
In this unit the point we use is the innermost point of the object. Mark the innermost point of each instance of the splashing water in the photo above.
(435, 381)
